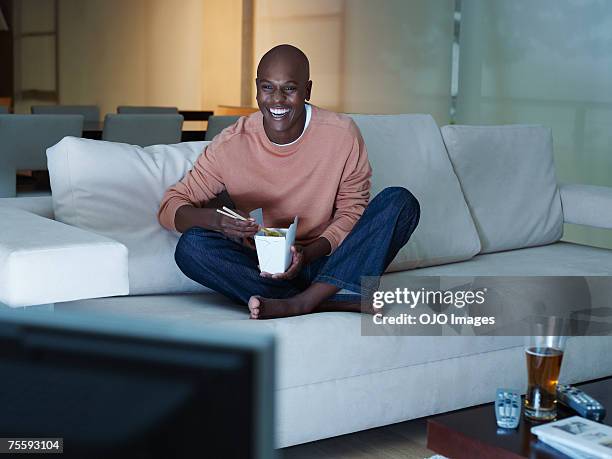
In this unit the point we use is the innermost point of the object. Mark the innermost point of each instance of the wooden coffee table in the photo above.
(473, 432)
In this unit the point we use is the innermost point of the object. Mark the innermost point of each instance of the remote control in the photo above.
(585, 405)
(508, 408)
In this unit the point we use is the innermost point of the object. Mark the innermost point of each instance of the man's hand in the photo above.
(297, 262)
(237, 229)
(302, 255)
(240, 231)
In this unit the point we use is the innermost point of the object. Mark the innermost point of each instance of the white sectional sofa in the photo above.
(490, 206)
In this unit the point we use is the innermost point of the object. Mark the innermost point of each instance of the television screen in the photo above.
(112, 388)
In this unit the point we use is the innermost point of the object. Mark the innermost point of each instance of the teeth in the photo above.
(279, 111)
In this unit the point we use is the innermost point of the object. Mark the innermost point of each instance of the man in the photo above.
(290, 158)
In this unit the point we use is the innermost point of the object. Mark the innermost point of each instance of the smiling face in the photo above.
(282, 89)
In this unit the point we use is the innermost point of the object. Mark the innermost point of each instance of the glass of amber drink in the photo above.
(544, 353)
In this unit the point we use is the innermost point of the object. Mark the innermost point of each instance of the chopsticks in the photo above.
(230, 213)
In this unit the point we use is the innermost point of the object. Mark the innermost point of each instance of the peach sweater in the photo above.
(324, 177)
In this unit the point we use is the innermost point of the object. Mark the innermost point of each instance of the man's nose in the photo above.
(278, 95)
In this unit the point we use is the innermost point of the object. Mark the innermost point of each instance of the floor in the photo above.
(406, 440)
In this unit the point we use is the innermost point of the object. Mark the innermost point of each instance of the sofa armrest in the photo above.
(38, 205)
(587, 205)
(43, 261)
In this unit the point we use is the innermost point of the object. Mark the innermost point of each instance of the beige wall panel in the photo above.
(221, 71)
(136, 52)
(103, 53)
(316, 31)
(37, 63)
(390, 56)
(175, 39)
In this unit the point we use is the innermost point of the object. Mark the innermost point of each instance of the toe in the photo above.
(254, 302)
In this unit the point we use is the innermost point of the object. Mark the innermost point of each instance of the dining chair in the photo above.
(143, 130)
(217, 123)
(24, 140)
(135, 110)
(90, 112)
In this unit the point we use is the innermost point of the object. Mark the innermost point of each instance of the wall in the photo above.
(137, 52)
(398, 57)
(175, 63)
(391, 56)
(144, 52)
(549, 63)
(103, 53)
(316, 28)
(222, 43)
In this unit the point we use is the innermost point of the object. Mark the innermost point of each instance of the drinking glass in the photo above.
(544, 353)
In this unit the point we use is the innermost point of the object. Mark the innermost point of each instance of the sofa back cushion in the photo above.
(508, 178)
(408, 151)
(114, 189)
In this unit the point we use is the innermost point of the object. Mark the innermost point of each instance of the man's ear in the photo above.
(308, 89)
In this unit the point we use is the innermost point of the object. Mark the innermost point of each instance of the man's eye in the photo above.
(289, 88)
(266, 87)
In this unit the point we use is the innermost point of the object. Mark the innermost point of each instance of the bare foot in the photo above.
(271, 308)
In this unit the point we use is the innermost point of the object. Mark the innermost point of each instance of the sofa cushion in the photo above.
(114, 189)
(313, 348)
(508, 178)
(408, 151)
(559, 259)
(44, 261)
(326, 369)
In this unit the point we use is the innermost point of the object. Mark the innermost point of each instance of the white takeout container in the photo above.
(274, 252)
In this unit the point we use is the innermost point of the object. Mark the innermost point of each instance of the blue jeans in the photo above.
(230, 268)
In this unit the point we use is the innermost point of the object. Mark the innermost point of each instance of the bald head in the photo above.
(283, 87)
(285, 55)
